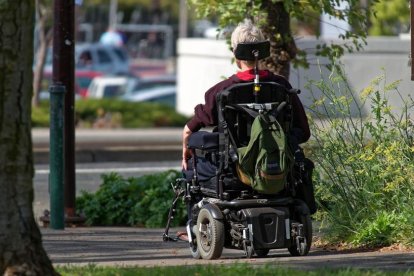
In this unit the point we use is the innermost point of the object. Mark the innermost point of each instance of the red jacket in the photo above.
(206, 114)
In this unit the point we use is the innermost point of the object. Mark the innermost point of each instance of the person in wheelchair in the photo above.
(205, 115)
(243, 181)
(209, 173)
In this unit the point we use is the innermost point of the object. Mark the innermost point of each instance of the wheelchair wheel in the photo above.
(194, 251)
(210, 235)
(302, 249)
(261, 252)
(248, 249)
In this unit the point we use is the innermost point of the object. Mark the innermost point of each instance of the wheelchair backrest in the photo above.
(239, 122)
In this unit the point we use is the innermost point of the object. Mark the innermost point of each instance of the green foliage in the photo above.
(153, 206)
(364, 165)
(131, 114)
(112, 203)
(128, 6)
(381, 230)
(390, 18)
(142, 201)
(41, 115)
(120, 114)
(231, 12)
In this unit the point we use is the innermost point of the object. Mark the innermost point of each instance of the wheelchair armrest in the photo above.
(294, 91)
(203, 140)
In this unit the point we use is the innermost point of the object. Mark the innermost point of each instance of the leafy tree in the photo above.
(390, 17)
(274, 17)
(127, 7)
(21, 251)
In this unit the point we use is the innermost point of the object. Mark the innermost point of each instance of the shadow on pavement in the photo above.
(144, 247)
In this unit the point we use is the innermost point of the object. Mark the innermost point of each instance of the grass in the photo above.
(222, 270)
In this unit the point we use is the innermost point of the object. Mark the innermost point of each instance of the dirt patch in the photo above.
(319, 244)
(397, 247)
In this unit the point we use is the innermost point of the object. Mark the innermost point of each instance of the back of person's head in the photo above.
(246, 32)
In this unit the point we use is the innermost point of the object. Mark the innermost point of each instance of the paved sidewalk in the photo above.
(131, 246)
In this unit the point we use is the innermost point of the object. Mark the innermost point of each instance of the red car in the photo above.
(82, 80)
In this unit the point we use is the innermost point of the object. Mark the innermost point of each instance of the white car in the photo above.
(106, 87)
(164, 95)
(135, 85)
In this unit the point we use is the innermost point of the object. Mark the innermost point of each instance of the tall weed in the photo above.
(364, 162)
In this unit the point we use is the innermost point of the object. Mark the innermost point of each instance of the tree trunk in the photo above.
(40, 64)
(282, 45)
(21, 251)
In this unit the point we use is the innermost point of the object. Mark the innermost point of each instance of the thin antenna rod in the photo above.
(256, 75)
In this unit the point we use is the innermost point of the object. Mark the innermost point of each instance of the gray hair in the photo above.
(246, 32)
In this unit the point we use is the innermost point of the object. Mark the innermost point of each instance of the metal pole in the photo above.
(64, 73)
(113, 9)
(56, 161)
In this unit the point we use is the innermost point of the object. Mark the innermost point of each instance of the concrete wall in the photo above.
(203, 62)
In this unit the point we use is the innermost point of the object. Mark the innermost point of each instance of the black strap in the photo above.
(269, 119)
(223, 139)
(251, 112)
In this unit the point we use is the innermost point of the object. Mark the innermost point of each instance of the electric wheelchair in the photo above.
(224, 211)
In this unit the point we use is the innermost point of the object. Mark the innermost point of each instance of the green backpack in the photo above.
(264, 162)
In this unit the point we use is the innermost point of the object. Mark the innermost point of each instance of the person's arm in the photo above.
(186, 152)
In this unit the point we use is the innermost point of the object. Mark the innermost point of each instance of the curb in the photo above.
(116, 145)
(116, 155)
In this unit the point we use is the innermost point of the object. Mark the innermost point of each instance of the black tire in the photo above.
(307, 228)
(261, 252)
(194, 251)
(210, 235)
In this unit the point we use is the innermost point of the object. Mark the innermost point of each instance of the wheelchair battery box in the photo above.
(268, 227)
(204, 140)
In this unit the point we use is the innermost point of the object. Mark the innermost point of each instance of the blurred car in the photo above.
(83, 79)
(106, 87)
(97, 57)
(136, 85)
(103, 58)
(163, 95)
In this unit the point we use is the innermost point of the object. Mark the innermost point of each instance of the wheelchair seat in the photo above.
(205, 146)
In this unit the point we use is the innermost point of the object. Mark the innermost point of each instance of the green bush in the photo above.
(364, 164)
(117, 113)
(142, 201)
(41, 115)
